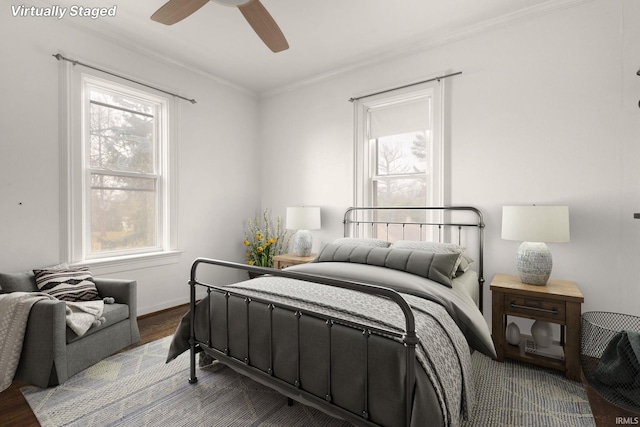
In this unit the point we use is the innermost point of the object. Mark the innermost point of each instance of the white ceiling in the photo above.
(325, 36)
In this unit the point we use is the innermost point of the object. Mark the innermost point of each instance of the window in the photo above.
(120, 171)
(124, 187)
(399, 151)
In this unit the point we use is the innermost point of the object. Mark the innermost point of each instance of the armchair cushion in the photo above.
(17, 282)
(112, 314)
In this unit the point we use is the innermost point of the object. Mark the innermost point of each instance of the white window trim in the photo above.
(73, 178)
(363, 146)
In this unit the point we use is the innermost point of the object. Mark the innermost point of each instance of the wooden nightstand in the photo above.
(287, 260)
(558, 302)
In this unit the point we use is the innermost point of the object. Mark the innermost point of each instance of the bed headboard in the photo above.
(463, 225)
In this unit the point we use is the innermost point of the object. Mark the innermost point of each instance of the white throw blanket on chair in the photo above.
(14, 314)
(84, 314)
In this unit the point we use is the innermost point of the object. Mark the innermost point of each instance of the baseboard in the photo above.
(150, 311)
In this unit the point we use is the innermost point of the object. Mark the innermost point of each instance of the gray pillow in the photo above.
(17, 282)
(439, 267)
(438, 247)
(22, 282)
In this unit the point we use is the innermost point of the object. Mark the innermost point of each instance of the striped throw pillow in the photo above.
(72, 284)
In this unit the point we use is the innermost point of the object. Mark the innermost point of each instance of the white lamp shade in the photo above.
(548, 224)
(303, 218)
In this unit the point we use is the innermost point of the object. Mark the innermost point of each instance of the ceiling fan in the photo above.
(253, 11)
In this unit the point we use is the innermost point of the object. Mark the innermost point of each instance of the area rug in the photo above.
(136, 388)
(515, 393)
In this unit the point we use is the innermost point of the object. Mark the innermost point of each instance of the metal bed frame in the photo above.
(243, 364)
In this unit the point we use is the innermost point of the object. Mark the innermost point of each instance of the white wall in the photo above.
(545, 112)
(216, 169)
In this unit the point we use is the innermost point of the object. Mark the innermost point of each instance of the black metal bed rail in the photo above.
(408, 338)
(352, 219)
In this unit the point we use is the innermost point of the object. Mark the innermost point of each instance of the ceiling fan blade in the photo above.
(176, 10)
(264, 25)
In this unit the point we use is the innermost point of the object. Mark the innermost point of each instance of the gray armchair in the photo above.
(52, 352)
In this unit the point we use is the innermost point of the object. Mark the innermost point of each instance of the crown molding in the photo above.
(360, 62)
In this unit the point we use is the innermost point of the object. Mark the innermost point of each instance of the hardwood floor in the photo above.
(15, 411)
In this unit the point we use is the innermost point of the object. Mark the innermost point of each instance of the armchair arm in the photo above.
(44, 354)
(124, 292)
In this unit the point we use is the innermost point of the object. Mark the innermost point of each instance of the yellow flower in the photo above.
(263, 240)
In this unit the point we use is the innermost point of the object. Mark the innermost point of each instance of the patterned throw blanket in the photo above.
(14, 314)
(451, 376)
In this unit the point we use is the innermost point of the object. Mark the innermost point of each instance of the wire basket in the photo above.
(610, 357)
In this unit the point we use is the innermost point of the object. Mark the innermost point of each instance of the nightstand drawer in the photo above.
(517, 305)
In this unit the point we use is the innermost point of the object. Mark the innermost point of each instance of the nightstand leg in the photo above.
(572, 345)
(498, 320)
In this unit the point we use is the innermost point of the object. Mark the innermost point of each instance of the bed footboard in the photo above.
(270, 342)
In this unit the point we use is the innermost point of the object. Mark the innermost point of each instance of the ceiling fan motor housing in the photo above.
(232, 3)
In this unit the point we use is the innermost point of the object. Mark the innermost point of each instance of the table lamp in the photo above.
(303, 219)
(535, 226)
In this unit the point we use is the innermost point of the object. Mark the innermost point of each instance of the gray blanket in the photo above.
(458, 304)
(442, 352)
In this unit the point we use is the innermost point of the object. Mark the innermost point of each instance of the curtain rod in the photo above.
(402, 87)
(74, 62)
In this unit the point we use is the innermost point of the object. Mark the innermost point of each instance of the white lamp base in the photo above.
(302, 243)
(534, 263)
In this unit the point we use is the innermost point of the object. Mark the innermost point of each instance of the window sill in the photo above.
(102, 266)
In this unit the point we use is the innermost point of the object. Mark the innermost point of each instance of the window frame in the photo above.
(76, 173)
(365, 148)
